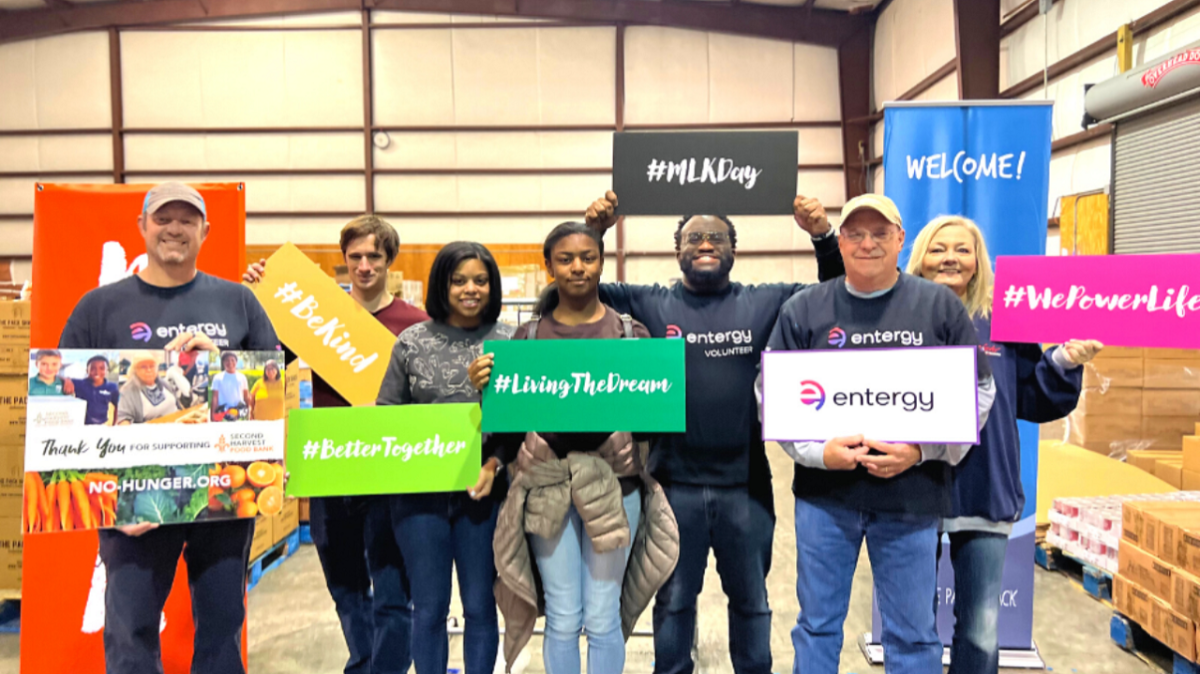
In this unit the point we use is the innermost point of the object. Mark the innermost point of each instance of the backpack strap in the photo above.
(627, 324)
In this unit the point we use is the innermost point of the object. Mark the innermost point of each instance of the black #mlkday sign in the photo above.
(715, 173)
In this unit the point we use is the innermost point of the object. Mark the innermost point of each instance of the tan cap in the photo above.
(874, 202)
(136, 357)
(164, 193)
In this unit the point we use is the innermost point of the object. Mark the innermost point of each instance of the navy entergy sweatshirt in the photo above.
(915, 313)
(1029, 386)
(724, 333)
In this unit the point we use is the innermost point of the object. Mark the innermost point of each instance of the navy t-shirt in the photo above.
(98, 399)
(132, 314)
(915, 313)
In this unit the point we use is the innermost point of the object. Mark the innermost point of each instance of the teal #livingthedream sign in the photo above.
(400, 449)
(586, 385)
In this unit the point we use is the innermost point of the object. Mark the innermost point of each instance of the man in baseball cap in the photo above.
(172, 305)
(849, 489)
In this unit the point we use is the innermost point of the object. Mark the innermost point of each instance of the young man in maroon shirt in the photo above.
(353, 534)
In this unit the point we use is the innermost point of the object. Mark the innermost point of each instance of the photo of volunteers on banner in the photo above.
(396, 449)
(1149, 301)
(317, 320)
(586, 385)
(883, 394)
(119, 437)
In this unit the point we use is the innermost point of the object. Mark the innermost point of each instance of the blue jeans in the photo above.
(582, 589)
(366, 577)
(978, 560)
(901, 548)
(739, 528)
(437, 532)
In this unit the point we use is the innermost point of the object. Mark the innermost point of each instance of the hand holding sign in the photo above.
(810, 215)
(480, 371)
(843, 453)
(254, 273)
(1081, 351)
(895, 458)
(601, 214)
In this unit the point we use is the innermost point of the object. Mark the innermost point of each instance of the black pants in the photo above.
(367, 580)
(140, 573)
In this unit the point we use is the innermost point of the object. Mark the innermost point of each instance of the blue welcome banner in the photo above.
(990, 162)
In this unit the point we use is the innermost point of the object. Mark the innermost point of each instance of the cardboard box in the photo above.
(1116, 401)
(287, 521)
(1132, 600)
(14, 389)
(15, 323)
(1186, 596)
(1188, 549)
(1118, 352)
(1191, 452)
(1165, 432)
(1138, 521)
(1162, 530)
(1173, 629)
(1118, 372)
(1171, 403)
(303, 510)
(1182, 373)
(1098, 432)
(1191, 480)
(14, 359)
(1165, 354)
(10, 553)
(262, 540)
(12, 480)
(1146, 458)
(1146, 570)
(1170, 471)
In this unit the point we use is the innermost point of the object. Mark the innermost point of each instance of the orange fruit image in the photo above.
(213, 503)
(278, 475)
(270, 500)
(237, 475)
(260, 474)
(247, 509)
(243, 496)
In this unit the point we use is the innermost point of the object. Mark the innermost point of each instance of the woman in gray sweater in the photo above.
(437, 531)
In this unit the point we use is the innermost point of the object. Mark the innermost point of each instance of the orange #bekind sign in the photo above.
(315, 318)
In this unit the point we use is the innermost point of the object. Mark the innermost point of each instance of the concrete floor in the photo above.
(293, 628)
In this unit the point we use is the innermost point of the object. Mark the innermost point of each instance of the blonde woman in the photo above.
(987, 495)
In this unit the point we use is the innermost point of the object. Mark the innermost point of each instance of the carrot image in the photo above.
(31, 503)
(82, 504)
(44, 503)
(52, 521)
(63, 494)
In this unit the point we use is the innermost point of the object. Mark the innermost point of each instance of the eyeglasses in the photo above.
(716, 238)
(860, 235)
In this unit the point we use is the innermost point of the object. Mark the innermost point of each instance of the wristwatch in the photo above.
(822, 237)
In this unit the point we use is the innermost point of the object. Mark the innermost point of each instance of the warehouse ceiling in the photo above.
(823, 22)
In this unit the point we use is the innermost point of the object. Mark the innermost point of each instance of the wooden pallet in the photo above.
(1131, 637)
(1095, 581)
(274, 556)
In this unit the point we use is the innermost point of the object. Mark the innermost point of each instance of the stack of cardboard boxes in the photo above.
(14, 386)
(1141, 403)
(1157, 583)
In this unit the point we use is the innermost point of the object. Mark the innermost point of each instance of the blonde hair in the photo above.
(978, 299)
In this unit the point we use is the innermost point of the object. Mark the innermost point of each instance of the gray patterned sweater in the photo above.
(429, 365)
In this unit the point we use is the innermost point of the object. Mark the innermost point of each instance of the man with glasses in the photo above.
(847, 489)
(715, 474)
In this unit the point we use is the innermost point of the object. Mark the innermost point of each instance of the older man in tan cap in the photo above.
(171, 305)
(892, 494)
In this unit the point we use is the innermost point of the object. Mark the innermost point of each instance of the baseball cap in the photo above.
(873, 202)
(164, 193)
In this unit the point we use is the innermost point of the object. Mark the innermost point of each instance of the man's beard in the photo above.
(706, 278)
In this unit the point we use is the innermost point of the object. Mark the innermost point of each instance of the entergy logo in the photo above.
(837, 337)
(812, 393)
(140, 331)
(674, 331)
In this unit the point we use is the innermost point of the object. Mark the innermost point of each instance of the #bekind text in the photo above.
(583, 383)
(1078, 298)
(326, 449)
(324, 329)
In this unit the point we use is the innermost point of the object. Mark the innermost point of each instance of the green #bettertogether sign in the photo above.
(401, 449)
(586, 385)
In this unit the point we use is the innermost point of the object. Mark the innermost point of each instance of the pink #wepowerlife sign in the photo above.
(1120, 300)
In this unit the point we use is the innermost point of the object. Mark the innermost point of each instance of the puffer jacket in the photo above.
(542, 491)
